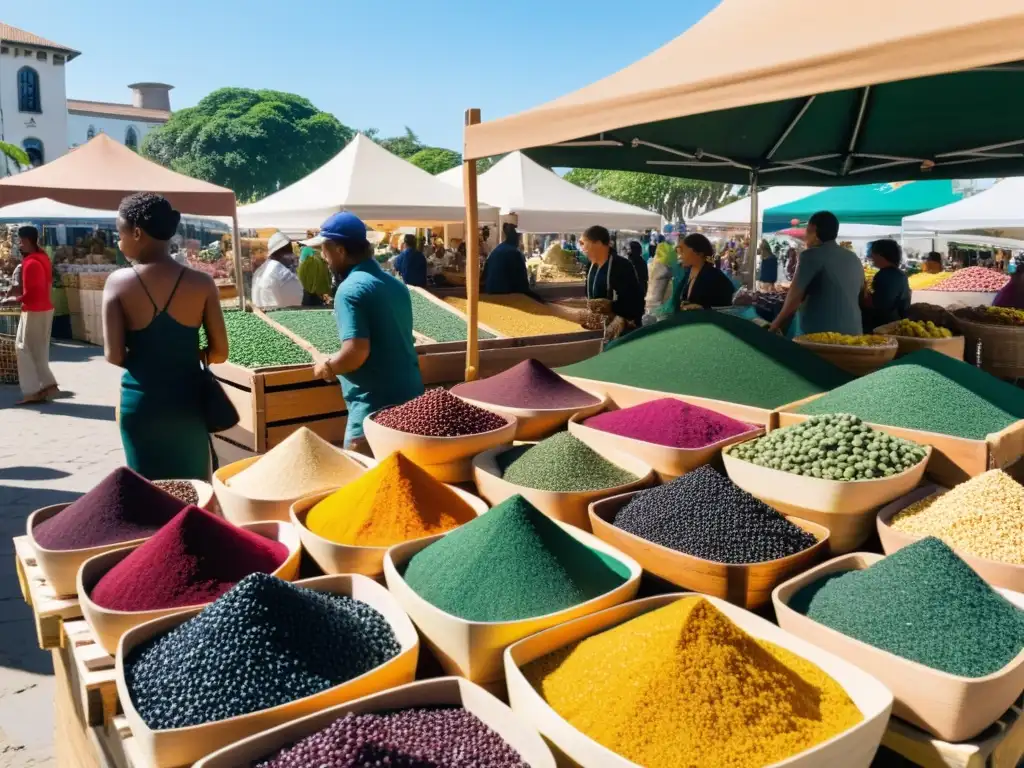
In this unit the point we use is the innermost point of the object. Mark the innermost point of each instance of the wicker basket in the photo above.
(953, 346)
(8, 353)
(1001, 348)
(858, 361)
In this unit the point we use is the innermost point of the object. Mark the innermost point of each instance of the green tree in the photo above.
(436, 160)
(405, 146)
(672, 197)
(14, 155)
(252, 141)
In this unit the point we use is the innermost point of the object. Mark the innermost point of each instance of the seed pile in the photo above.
(992, 315)
(254, 344)
(846, 340)
(563, 464)
(301, 464)
(437, 323)
(706, 515)
(922, 603)
(421, 737)
(978, 279)
(182, 490)
(833, 447)
(194, 559)
(713, 355)
(982, 517)
(264, 643)
(929, 391)
(920, 330)
(684, 686)
(512, 563)
(530, 384)
(669, 422)
(923, 281)
(124, 506)
(438, 413)
(317, 326)
(395, 501)
(515, 314)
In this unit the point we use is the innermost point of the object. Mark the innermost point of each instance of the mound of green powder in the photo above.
(512, 563)
(561, 463)
(710, 354)
(317, 326)
(922, 603)
(930, 391)
(437, 323)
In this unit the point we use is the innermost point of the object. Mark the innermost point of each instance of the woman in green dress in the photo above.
(152, 314)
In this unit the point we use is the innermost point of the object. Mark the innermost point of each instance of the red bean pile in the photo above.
(977, 279)
(438, 413)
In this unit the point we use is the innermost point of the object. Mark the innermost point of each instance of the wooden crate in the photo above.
(91, 675)
(48, 610)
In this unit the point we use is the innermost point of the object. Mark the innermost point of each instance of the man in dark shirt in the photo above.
(611, 281)
(411, 264)
(889, 299)
(505, 268)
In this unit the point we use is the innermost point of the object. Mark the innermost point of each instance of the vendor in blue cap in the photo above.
(377, 362)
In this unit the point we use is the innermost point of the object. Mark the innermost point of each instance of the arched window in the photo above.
(28, 90)
(91, 133)
(131, 138)
(34, 149)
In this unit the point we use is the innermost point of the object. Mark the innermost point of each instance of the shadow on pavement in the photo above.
(74, 410)
(32, 473)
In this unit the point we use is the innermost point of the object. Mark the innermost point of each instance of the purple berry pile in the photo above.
(438, 413)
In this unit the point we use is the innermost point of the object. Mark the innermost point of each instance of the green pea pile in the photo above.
(254, 344)
(317, 326)
(437, 323)
(833, 447)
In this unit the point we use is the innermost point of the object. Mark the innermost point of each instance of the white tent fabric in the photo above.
(45, 209)
(367, 180)
(737, 213)
(545, 202)
(997, 210)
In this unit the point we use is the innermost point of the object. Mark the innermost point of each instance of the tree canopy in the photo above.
(436, 160)
(674, 198)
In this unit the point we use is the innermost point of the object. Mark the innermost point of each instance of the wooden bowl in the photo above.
(449, 459)
(746, 585)
(163, 748)
(950, 707)
(239, 509)
(538, 423)
(472, 649)
(1005, 575)
(846, 508)
(570, 507)
(349, 558)
(854, 747)
(858, 361)
(440, 692)
(109, 625)
(669, 463)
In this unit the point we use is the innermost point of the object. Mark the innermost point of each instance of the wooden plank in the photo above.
(229, 452)
(315, 353)
(92, 675)
(236, 374)
(242, 400)
(259, 413)
(284, 376)
(331, 429)
(1007, 446)
(287, 404)
(49, 610)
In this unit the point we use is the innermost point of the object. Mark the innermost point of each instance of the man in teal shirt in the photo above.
(377, 362)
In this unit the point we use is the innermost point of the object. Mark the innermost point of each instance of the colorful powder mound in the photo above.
(530, 384)
(669, 422)
(561, 463)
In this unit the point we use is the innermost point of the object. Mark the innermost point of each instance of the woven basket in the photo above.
(8, 353)
(858, 361)
(953, 346)
(1002, 348)
(92, 281)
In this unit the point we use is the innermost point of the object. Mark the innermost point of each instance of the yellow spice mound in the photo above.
(684, 686)
(516, 315)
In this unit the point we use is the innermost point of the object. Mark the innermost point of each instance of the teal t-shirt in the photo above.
(831, 278)
(370, 304)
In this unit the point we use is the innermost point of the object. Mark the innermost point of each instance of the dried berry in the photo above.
(438, 413)
(182, 490)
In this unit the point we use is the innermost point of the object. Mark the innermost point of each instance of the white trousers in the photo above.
(33, 347)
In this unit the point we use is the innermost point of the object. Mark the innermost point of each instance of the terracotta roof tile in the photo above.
(79, 107)
(9, 34)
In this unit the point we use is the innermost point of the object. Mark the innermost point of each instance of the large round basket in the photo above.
(953, 346)
(858, 361)
(1001, 348)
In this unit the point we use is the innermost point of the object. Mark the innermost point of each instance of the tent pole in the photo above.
(472, 258)
(755, 219)
(236, 247)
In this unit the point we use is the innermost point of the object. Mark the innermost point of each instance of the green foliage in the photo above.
(672, 197)
(252, 141)
(14, 154)
(405, 146)
(436, 160)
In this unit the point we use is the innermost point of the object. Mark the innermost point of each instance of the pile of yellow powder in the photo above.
(514, 314)
(684, 686)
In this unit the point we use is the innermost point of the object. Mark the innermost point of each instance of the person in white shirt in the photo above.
(274, 285)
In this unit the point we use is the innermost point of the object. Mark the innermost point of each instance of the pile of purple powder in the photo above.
(409, 738)
(438, 413)
(669, 422)
(530, 384)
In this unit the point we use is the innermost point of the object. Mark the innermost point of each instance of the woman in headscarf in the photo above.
(665, 275)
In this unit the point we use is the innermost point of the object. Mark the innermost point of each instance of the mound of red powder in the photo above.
(194, 559)
(530, 384)
(669, 422)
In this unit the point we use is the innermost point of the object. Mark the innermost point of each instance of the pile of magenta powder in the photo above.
(441, 737)
(530, 384)
(438, 413)
(123, 507)
(669, 422)
(192, 560)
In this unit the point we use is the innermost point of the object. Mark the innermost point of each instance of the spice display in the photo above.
(920, 330)
(684, 686)
(317, 326)
(301, 464)
(923, 281)
(992, 315)
(438, 737)
(437, 323)
(395, 501)
(254, 344)
(976, 279)
(982, 517)
(263, 643)
(182, 490)
(439, 413)
(515, 314)
(512, 563)
(669, 422)
(846, 340)
(708, 516)
(929, 391)
(713, 355)
(833, 447)
(194, 559)
(529, 384)
(561, 463)
(922, 603)
(124, 506)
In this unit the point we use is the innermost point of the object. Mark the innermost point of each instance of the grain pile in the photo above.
(923, 281)
(561, 463)
(254, 344)
(182, 490)
(846, 340)
(437, 323)
(317, 326)
(669, 422)
(529, 384)
(438, 413)
(992, 315)
(974, 279)
(514, 314)
(920, 330)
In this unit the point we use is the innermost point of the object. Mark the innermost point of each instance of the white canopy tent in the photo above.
(545, 202)
(737, 214)
(997, 211)
(369, 181)
(44, 210)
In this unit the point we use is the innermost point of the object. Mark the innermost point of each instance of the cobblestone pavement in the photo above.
(48, 454)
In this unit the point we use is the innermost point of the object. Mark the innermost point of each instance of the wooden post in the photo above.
(472, 257)
(236, 247)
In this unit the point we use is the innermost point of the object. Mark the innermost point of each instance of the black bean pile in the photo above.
(706, 515)
(438, 413)
(264, 643)
(182, 490)
(449, 737)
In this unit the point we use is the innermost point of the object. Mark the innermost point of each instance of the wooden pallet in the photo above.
(48, 609)
(91, 674)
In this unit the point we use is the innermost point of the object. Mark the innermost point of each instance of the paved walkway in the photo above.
(48, 454)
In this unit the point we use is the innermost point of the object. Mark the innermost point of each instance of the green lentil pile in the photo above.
(317, 326)
(833, 447)
(254, 344)
(922, 603)
(929, 391)
(438, 323)
(710, 354)
(561, 463)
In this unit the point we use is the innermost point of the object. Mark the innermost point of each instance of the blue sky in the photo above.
(373, 64)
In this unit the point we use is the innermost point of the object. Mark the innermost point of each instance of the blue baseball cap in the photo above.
(343, 227)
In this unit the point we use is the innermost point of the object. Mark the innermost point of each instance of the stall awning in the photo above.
(737, 214)
(998, 209)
